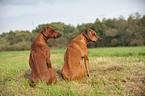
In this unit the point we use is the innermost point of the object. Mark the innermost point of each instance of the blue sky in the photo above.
(28, 14)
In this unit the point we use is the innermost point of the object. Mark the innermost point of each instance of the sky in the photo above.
(28, 14)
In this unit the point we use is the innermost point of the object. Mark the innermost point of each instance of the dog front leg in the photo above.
(87, 65)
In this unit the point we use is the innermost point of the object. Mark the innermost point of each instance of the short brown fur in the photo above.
(73, 68)
(39, 60)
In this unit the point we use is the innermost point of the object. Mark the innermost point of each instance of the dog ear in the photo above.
(44, 31)
(86, 33)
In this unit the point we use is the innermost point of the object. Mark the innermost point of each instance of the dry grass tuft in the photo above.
(113, 68)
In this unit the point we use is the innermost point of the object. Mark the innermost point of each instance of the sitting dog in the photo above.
(39, 60)
(73, 68)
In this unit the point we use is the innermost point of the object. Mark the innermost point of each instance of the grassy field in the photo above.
(115, 71)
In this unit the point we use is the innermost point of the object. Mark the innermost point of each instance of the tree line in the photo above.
(115, 32)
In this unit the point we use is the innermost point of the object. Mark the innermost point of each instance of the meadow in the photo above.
(115, 71)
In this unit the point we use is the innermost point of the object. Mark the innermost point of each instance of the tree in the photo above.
(115, 32)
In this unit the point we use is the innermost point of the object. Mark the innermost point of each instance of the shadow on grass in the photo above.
(28, 74)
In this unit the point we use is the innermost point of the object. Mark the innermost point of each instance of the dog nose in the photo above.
(60, 34)
(100, 38)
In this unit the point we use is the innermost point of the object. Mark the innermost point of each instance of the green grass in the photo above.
(115, 71)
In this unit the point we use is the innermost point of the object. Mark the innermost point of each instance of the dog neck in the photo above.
(41, 38)
(85, 39)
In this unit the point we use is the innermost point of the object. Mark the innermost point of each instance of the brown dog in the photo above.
(73, 68)
(39, 60)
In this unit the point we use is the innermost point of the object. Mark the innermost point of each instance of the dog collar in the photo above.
(84, 36)
(87, 39)
(45, 36)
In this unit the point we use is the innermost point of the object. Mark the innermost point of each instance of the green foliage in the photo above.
(17, 40)
(115, 32)
(115, 71)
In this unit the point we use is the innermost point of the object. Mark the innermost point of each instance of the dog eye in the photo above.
(52, 31)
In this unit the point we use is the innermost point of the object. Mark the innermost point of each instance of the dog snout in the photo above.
(59, 35)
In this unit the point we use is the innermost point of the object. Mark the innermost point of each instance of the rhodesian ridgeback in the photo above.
(73, 68)
(39, 60)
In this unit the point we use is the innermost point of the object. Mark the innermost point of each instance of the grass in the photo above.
(115, 71)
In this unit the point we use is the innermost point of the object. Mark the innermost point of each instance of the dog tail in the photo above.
(34, 60)
(39, 61)
(67, 58)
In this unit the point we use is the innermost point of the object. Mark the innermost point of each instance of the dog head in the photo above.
(91, 36)
(49, 32)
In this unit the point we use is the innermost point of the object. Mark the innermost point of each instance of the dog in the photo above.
(73, 68)
(39, 59)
